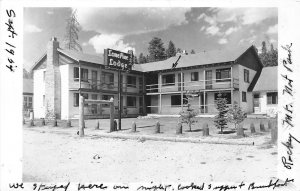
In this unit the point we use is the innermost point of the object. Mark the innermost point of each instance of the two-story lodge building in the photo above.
(156, 88)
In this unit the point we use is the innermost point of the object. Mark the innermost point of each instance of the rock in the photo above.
(179, 128)
(240, 131)
(262, 127)
(157, 127)
(133, 127)
(252, 128)
(205, 130)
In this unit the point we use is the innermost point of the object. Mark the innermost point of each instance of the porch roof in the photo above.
(268, 80)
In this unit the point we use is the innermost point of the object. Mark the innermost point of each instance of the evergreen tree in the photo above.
(171, 51)
(268, 58)
(220, 119)
(193, 51)
(156, 50)
(71, 34)
(178, 50)
(135, 60)
(235, 115)
(142, 58)
(189, 115)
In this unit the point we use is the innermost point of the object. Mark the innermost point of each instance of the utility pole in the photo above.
(119, 98)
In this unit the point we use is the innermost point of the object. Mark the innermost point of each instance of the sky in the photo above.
(201, 29)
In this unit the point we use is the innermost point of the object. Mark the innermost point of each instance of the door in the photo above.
(256, 103)
(94, 79)
(208, 79)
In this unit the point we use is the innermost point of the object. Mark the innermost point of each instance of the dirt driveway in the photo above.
(60, 156)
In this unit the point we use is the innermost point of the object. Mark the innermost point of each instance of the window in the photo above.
(272, 98)
(194, 76)
(29, 102)
(25, 101)
(84, 74)
(76, 100)
(131, 101)
(131, 81)
(225, 95)
(106, 97)
(246, 75)
(108, 78)
(223, 75)
(244, 97)
(176, 100)
(94, 96)
(168, 80)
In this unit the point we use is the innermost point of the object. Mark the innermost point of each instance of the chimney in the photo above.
(52, 81)
(184, 52)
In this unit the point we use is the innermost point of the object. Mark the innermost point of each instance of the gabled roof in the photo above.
(202, 58)
(268, 80)
(27, 85)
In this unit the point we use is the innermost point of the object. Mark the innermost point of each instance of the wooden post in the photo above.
(179, 128)
(112, 114)
(181, 88)
(133, 127)
(119, 98)
(205, 130)
(160, 88)
(81, 116)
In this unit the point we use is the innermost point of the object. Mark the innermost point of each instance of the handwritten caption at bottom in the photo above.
(272, 184)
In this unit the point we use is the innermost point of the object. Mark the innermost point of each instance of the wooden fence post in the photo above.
(81, 116)
(112, 115)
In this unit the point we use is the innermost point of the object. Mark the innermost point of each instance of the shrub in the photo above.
(220, 120)
(235, 115)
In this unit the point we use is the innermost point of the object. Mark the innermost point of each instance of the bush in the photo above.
(235, 115)
(220, 120)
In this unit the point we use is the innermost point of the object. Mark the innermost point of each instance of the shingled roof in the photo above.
(268, 80)
(201, 58)
(79, 56)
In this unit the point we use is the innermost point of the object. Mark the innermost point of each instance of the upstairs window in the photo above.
(223, 75)
(244, 97)
(84, 74)
(194, 76)
(168, 80)
(131, 81)
(108, 78)
(246, 75)
(272, 98)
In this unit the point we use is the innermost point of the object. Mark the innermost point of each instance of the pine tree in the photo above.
(189, 115)
(171, 51)
(71, 34)
(193, 51)
(220, 119)
(178, 50)
(268, 58)
(156, 50)
(142, 58)
(235, 115)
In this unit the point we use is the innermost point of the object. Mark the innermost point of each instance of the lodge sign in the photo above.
(118, 60)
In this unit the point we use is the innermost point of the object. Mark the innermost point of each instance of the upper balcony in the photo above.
(214, 84)
(100, 85)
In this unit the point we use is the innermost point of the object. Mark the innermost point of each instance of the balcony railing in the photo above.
(102, 85)
(224, 83)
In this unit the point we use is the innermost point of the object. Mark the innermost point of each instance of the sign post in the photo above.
(122, 62)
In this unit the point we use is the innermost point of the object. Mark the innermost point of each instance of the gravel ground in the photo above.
(60, 155)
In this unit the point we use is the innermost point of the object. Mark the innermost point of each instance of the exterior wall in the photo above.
(64, 70)
(269, 109)
(194, 85)
(243, 86)
(39, 91)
